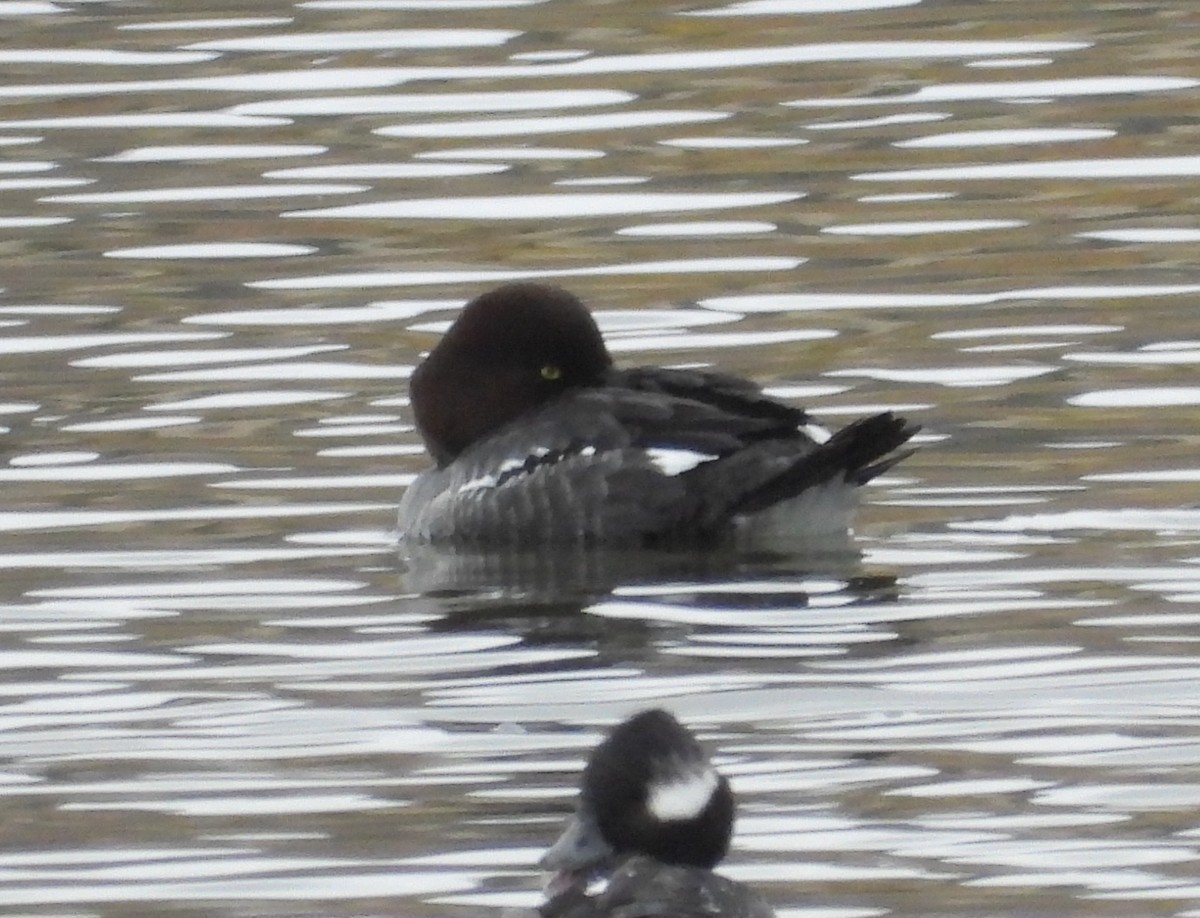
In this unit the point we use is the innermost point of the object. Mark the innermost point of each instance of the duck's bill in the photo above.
(576, 858)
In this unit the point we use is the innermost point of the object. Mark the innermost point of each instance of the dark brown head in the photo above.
(510, 351)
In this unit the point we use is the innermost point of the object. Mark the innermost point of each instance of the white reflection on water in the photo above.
(242, 803)
(198, 588)
(19, 184)
(412, 645)
(364, 40)
(920, 227)
(602, 180)
(1123, 519)
(674, 340)
(811, 53)
(394, 482)
(113, 559)
(100, 57)
(1013, 89)
(57, 309)
(293, 370)
(324, 315)
(202, 152)
(1012, 137)
(214, 250)
(133, 359)
(27, 167)
(731, 143)
(493, 275)
(549, 124)
(364, 171)
(331, 78)
(114, 471)
(342, 731)
(711, 228)
(331, 429)
(18, 222)
(220, 875)
(261, 398)
(881, 121)
(29, 8)
(511, 153)
(1008, 62)
(1160, 352)
(439, 5)
(973, 375)
(799, 7)
(436, 103)
(43, 459)
(39, 344)
(205, 193)
(623, 329)
(788, 302)
(967, 577)
(1078, 169)
(1159, 397)
(531, 206)
(32, 520)
(18, 407)
(246, 22)
(1093, 856)
(145, 120)
(970, 788)
(1146, 234)
(1020, 331)
(1187, 475)
(907, 196)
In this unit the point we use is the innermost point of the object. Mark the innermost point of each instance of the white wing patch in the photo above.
(508, 466)
(508, 469)
(818, 433)
(683, 797)
(477, 484)
(672, 462)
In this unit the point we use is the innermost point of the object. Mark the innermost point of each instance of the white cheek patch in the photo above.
(672, 462)
(683, 797)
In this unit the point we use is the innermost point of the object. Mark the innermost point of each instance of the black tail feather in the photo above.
(876, 469)
(858, 452)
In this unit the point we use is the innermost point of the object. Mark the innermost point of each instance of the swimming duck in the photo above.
(538, 439)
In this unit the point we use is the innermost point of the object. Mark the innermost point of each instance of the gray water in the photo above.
(228, 233)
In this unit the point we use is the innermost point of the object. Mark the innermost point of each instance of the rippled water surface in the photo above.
(227, 234)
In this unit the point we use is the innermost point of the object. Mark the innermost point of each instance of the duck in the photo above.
(538, 439)
(653, 818)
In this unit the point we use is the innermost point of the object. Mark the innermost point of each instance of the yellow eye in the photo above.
(551, 372)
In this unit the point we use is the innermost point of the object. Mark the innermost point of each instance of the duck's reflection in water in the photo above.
(541, 595)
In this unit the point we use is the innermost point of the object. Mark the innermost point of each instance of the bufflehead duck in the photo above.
(654, 817)
(539, 440)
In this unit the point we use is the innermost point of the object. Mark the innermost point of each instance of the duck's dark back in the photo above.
(645, 888)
